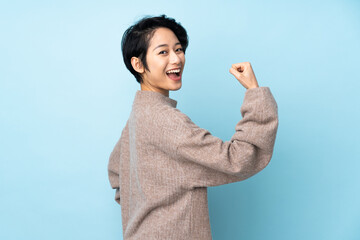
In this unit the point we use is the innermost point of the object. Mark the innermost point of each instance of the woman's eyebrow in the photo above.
(166, 45)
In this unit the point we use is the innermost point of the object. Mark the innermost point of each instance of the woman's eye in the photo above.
(179, 50)
(162, 52)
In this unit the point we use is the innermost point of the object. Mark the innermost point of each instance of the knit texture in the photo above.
(163, 163)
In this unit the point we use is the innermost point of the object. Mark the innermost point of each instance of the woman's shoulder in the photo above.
(157, 115)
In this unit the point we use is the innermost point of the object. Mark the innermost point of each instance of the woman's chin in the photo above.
(177, 87)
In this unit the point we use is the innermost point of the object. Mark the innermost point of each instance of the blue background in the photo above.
(65, 96)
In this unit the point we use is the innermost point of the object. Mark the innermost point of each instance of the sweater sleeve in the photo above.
(113, 170)
(209, 161)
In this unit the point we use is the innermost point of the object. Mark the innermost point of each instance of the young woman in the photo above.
(163, 163)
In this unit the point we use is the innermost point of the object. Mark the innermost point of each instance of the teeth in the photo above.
(174, 71)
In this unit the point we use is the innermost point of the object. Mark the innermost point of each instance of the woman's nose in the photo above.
(174, 58)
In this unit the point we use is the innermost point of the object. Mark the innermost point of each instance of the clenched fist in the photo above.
(244, 73)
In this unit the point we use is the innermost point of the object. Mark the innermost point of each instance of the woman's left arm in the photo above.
(113, 170)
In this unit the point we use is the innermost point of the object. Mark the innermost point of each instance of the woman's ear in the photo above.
(137, 65)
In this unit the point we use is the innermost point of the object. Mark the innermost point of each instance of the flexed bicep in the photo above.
(209, 161)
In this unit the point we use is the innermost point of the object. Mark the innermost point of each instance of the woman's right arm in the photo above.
(206, 159)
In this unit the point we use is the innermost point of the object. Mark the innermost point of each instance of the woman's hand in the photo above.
(244, 73)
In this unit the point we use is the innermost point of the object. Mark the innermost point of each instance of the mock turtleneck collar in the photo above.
(155, 96)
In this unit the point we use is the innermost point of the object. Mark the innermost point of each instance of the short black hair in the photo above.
(135, 41)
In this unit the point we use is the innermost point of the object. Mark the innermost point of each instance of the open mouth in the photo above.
(175, 71)
(174, 74)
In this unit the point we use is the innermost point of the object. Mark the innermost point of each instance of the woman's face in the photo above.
(164, 54)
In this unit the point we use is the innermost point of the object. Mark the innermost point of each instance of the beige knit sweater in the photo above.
(163, 163)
